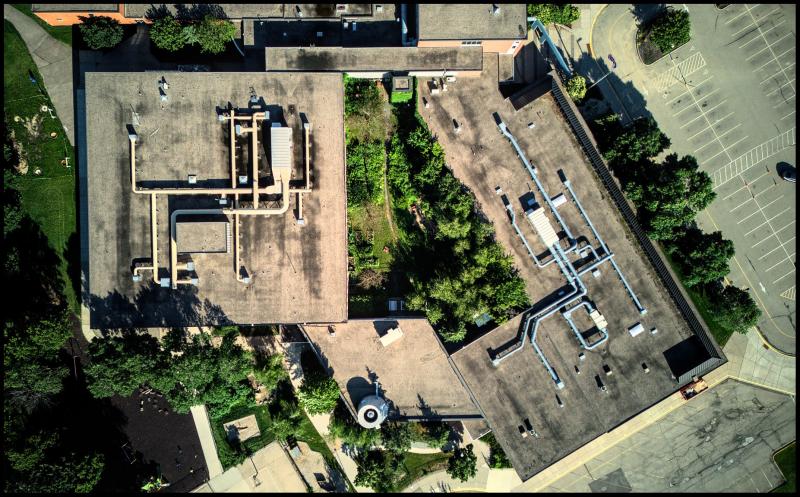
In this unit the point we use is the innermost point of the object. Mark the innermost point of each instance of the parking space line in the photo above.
(765, 32)
(742, 204)
(767, 42)
(773, 201)
(775, 234)
(734, 193)
(690, 106)
(779, 88)
(769, 78)
(698, 85)
(740, 14)
(768, 220)
(693, 63)
(752, 157)
(749, 216)
(784, 276)
(784, 103)
(710, 124)
(790, 293)
(770, 187)
(776, 248)
(787, 115)
(751, 25)
(725, 149)
(768, 45)
(753, 181)
(789, 258)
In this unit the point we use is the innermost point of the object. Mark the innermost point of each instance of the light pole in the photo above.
(599, 80)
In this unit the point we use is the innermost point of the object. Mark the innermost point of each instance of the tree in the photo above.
(576, 87)
(100, 32)
(671, 30)
(375, 471)
(396, 436)
(343, 426)
(670, 195)
(121, 364)
(435, 434)
(167, 33)
(318, 393)
(269, 370)
(553, 13)
(212, 34)
(735, 309)
(703, 256)
(463, 464)
(285, 420)
(33, 372)
(642, 140)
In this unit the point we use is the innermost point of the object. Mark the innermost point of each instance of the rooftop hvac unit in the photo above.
(559, 200)
(195, 281)
(378, 8)
(220, 117)
(192, 179)
(636, 329)
(190, 266)
(164, 282)
(654, 331)
(319, 34)
(596, 273)
(238, 129)
(246, 279)
(281, 150)
(223, 201)
(137, 277)
(243, 180)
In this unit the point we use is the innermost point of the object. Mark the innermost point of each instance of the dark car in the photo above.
(787, 172)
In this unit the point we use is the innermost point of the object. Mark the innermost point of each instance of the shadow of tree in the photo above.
(645, 13)
(153, 307)
(198, 11)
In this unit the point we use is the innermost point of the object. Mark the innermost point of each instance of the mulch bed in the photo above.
(648, 51)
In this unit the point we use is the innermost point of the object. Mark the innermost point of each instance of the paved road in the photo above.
(54, 60)
(728, 98)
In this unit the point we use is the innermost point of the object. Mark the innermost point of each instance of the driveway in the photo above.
(728, 98)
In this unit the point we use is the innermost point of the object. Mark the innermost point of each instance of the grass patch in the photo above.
(787, 462)
(401, 97)
(704, 306)
(61, 33)
(416, 466)
(48, 198)
(371, 219)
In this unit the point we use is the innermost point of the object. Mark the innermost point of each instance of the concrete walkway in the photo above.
(54, 60)
(203, 426)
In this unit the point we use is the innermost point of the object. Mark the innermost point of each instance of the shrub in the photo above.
(343, 426)
(497, 456)
(167, 33)
(100, 32)
(549, 13)
(212, 34)
(576, 87)
(318, 393)
(269, 370)
(365, 163)
(435, 434)
(671, 30)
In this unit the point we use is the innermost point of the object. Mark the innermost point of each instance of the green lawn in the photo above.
(62, 33)
(418, 465)
(787, 462)
(48, 198)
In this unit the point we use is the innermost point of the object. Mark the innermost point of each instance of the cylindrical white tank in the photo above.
(372, 410)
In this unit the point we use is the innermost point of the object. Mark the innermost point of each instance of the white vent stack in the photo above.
(372, 411)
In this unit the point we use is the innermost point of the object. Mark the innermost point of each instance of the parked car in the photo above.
(787, 172)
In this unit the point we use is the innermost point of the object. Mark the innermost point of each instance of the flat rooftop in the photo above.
(298, 274)
(520, 386)
(461, 21)
(74, 7)
(414, 372)
(344, 59)
(230, 10)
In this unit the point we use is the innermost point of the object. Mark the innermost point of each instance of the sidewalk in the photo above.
(54, 60)
(203, 425)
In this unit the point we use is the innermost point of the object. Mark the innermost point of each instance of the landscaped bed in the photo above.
(664, 34)
(786, 459)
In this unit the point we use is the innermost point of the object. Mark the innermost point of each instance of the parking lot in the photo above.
(728, 98)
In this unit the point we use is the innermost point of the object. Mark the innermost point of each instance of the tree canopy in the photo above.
(212, 34)
(736, 309)
(396, 436)
(576, 87)
(549, 13)
(318, 393)
(703, 257)
(167, 33)
(641, 140)
(671, 30)
(100, 32)
(463, 465)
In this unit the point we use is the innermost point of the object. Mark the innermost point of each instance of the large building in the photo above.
(215, 198)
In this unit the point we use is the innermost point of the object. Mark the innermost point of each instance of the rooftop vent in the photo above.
(192, 179)
(242, 180)
(164, 282)
(495, 9)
